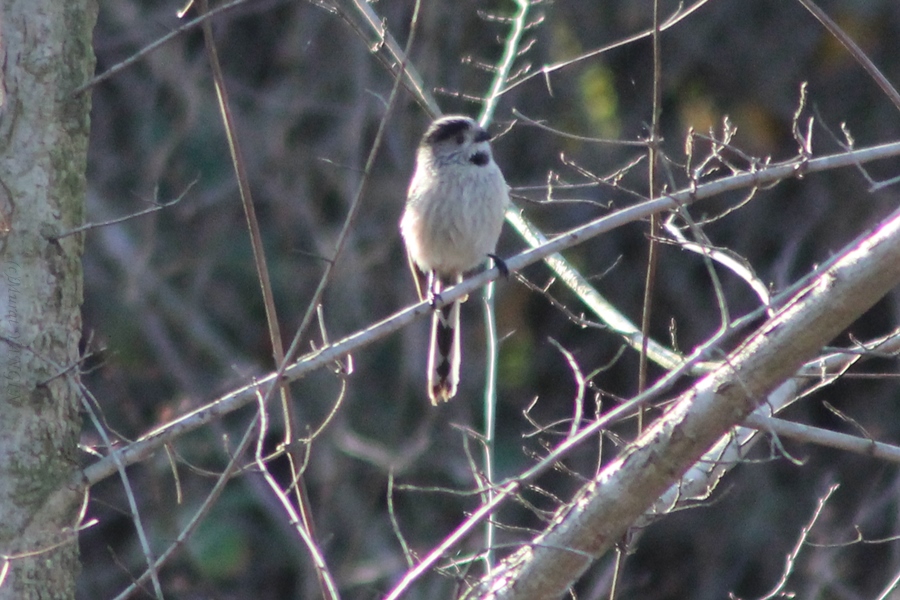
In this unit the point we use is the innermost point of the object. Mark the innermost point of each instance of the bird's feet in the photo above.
(500, 264)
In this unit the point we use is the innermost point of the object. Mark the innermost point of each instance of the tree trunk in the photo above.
(45, 53)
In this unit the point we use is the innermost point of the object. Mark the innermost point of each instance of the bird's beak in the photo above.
(482, 136)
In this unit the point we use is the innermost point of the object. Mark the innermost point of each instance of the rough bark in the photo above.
(45, 53)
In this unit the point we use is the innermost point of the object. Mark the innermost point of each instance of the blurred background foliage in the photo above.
(174, 314)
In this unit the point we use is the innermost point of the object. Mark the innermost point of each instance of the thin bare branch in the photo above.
(855, 51)
(201, 513)
(157, 44)
(730, 260)
(291, 420)
(679, 15)
(394, 57)
(791, 559)
(89, 402)
(518, 25)
(308, 363)
(578, 411)
(824, 437)
(328, 584)
(156, 206)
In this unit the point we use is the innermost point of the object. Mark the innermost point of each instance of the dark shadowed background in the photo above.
(174, 313)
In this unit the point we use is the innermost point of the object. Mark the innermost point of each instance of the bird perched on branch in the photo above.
(451, 223)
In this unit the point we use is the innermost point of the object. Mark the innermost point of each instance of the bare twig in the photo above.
(157, 206)
(394, 58)
(329, 588)
(157, 44)
(518, 25)
(653, 156)
(571, 136)
(291, 420)
(676, 17)
(395, 524)
(578, 411)
(855, 51)
(824, 437)
(792, 557)
(730, 260)
(201, 513)
(88, 402)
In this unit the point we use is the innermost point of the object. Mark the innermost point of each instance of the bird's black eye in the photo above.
(460, 138)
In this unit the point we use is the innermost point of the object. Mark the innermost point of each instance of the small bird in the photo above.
(451, 223)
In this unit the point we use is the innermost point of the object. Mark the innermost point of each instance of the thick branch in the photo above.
(605, 508)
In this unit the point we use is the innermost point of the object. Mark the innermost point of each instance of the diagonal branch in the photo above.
(134, 58)
(853, 48)
(607, 506)
(324, 356)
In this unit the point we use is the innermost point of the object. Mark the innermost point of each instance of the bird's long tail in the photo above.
(444, 351)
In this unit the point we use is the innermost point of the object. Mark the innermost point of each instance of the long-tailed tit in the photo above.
(453, 216)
